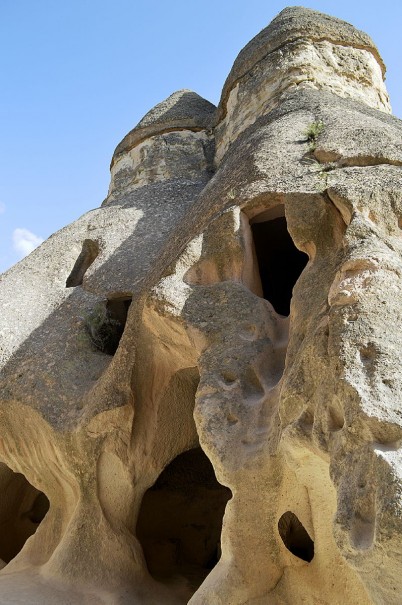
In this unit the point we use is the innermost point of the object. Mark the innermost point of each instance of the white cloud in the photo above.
(24, 241)
(2, 208)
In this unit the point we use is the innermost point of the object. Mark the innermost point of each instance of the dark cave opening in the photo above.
(180, 520)
(280, 262)
(295, 537)
(106, 323)
(116, 312)
(22, 509)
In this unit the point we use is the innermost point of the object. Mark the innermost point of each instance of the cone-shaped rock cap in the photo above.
(296, 22)
(184, 109)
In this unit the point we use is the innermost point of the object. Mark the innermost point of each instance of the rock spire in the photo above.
(199, 380)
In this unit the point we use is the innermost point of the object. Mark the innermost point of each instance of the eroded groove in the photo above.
(89, 252)
(336, 162)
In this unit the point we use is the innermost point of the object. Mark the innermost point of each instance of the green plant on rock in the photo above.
(231, 194)
(312, 133)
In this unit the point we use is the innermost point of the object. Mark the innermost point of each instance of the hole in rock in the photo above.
(106, 324)
(180, 520)
(295, 537)
(22, 509)
(280, 262)
(90, 250)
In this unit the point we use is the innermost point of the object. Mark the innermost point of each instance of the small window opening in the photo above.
(180, 520)
(90, 250)
(22, 509)
(295, 537)
(279, 261)
(106, 324)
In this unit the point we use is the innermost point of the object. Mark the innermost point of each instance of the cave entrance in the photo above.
(22, 509)
(295, 537)
(180, 520)
(280, 262)
(106, 323)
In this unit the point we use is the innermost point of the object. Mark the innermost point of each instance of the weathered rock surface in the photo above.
(172, 142)
(200, 385)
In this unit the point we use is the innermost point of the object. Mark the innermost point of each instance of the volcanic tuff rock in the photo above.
(200, 384)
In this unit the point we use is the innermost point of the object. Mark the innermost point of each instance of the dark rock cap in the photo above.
(293, 23)
(184, 109)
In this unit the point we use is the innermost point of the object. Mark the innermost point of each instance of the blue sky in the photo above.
(77, 75)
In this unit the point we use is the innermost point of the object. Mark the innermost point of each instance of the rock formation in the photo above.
(200, 393)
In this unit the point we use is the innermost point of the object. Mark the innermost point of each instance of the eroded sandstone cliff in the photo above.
(200, 385)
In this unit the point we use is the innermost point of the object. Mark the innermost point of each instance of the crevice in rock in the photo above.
(22, 509)
(106, 323)
(180, 520)
(280, 262)
(335, 161)
(295, 537)
(89, 252)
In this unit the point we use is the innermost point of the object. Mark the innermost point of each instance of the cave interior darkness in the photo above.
(279, 261)
(295, 537)
(22, 509)
(180, 520)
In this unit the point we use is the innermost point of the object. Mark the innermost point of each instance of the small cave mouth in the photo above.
(180, 521)
(89, 252)
(295, 537)
(22, 509)
(105, 324)
(279, 261)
